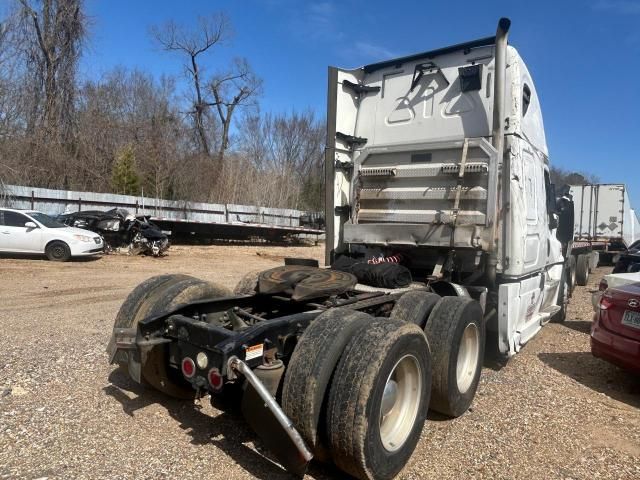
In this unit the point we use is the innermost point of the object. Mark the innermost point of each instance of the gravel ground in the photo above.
(553, 411)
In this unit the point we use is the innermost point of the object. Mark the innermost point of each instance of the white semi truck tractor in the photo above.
(441, 158)
(442, 235)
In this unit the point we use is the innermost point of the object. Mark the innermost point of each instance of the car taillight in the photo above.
(602, 286)
(188, 367)
(605, 302)
(215, 379)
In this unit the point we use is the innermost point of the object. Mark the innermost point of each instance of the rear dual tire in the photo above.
(571, 278)
(152, 297)
(563, 299)
(415, 307)
(378, 399)
(347, 369)
(248, 285)
(310, 370)
(456, 334)
(582, 269)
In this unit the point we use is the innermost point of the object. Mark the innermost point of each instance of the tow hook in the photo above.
(270, 422)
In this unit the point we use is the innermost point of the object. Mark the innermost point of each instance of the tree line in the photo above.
(201, 137)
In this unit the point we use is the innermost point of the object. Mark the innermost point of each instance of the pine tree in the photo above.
(125, 179)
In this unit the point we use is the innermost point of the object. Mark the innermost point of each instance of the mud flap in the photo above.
(122, 349)
(138, 356)
(271, 424)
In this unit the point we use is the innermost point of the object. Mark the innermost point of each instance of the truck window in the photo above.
(550, 193)
(526, 99)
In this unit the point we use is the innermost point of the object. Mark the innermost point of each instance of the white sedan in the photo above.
(25, 231)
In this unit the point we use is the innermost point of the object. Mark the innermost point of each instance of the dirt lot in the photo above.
(553, 411)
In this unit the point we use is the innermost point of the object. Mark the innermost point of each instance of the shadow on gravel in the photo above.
(582, 326)
(493, 359)
(596, 374)
(37, 257)
(226, 431)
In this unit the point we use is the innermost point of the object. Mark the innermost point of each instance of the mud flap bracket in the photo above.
(272, 425)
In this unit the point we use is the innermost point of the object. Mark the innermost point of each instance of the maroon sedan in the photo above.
(615, 334)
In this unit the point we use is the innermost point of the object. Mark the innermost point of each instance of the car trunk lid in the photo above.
(623, 313)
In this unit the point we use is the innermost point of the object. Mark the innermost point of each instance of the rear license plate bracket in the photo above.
(631, 319)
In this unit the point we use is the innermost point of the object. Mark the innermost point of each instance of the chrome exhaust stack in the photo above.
(497, 133)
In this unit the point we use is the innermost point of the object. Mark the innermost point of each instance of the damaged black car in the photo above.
(121, 229)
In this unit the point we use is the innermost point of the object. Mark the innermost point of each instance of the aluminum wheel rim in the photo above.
(58, 251)
(468, 357)
(400, 402)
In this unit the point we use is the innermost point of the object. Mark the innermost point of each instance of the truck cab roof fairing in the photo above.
(522, 120)
(396, 62)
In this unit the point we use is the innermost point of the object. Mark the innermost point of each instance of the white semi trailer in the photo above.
(605, 224)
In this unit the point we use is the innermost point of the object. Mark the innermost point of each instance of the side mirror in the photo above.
(30, 225)
(565, 220)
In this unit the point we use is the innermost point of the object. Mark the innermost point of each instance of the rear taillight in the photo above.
(188, 367)
(215, 379)
(602, 286)
(605, 302)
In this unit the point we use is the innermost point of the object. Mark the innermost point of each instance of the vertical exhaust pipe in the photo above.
(499, 88)
(499, 85)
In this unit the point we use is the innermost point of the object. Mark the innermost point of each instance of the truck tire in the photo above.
(456, 333)
(248, 285)
(310, 369)
(137, 305)
(156, 370)
(151, 297)
(127, 316)
(379, 398)
(605, 259)
(129, 309)
(183, 292)
(57, 251)
(563, 300)
(571, 265)
(415, 307)
(582, 269)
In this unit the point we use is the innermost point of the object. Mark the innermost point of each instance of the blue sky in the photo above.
(583, 55)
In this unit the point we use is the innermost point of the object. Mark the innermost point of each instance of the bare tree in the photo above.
(9, 104)
(61, 131)
(286, 151)
(235, 88)
(211, 31)
(54, 35)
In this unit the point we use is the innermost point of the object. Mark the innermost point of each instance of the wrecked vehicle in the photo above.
(628, 261)
(435, 162)
(120, 229)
